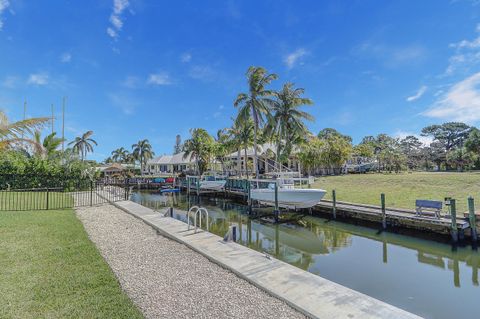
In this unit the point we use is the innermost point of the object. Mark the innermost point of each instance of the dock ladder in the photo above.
(197, 212)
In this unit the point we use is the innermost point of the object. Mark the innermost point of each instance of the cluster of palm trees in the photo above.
(26, 135)
(141, 152)
(264, 115)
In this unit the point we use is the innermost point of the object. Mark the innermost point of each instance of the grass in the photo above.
(13, 200)
(50, 269)
(401, 190)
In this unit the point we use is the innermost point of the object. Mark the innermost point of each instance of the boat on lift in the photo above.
(289, 196)
(212, 182)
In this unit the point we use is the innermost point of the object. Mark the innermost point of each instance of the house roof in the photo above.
(175, 159)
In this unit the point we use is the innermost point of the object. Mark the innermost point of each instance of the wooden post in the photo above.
(453, 213)
(384, 215)
(188, 185)
(276, 212)
(334, 204)
(472, 218)
(249, 195)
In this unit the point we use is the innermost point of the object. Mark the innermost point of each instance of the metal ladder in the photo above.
(198, 213)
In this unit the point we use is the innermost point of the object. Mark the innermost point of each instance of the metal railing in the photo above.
(45, 198)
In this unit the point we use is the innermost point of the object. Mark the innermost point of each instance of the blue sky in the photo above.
(134, 69)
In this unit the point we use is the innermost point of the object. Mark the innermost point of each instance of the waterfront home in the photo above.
(170, 164)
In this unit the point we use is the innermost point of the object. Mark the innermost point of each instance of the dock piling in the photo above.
(453, 215)
(384, 215)
(334, 204)
(472, 218)
(276, 212)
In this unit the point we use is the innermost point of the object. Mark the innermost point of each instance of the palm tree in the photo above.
(120, 155)
(257, 102)
(142, 152)
(200, 146)
(48, 146)
(288, 120)
(247, 139)
(11, 133)
(235, 142)
(83, 144)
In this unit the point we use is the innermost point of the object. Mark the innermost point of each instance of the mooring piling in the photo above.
(384, 214)
(453, 216)
(472, 218)
(334, 204)
(276, 212)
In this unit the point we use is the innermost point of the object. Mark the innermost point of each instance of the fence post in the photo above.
(384, 215)
(472, 218)
(47, 199)
(453, 213)
(91, 193)
(334, 204)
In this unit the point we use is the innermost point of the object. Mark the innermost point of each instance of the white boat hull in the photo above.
(213, 185)
(289, 198)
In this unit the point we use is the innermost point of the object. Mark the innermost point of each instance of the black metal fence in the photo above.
(69, 195)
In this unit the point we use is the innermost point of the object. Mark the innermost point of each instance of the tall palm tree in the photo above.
(83, 144)
(247, 139)
(48, 146)
(142, 152)
(14, 132)
(288, 119)
(235, 142)
(120, 155)
(257, 102)
(200, 146)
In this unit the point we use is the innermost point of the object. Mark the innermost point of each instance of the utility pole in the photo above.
(52, 119)
(63, 125)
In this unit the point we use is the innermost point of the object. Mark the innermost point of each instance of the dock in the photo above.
(313, 295)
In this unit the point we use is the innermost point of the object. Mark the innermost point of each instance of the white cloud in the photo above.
(392, 56)
(65, 57)
(291, 59)
(38, 79)
(417, 95)
(425, 140)
(124, 102)
(186, 57)
(461, 102)
(4, 4)
(10, 82)
(161, 78)
(467, 54)
(131, 82)
(202, 72)
(115, 19)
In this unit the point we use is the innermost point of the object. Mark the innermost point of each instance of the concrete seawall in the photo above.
(313, 295)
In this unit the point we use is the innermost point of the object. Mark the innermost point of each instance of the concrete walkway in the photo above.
(306, 292)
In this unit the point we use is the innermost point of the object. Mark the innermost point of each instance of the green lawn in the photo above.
(13, 200)
(50, 269)
(401, 190)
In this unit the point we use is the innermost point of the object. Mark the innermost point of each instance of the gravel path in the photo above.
(167, 279)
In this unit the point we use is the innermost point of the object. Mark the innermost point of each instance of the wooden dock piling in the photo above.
(384, 215)
(453, 214)
(472, 218)
(334, 204)
(277, 211)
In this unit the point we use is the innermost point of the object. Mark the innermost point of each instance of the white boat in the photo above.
(213, 182)
(288, 196)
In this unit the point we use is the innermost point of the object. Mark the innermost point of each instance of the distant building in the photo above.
(170, 164)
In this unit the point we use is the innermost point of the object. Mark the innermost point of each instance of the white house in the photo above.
(169, 164)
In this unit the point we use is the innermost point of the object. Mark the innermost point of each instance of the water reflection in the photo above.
(418, 275)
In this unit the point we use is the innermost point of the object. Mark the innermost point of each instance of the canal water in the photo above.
(426, 277)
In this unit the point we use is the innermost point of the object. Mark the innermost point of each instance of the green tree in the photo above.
(200, 146)
(256, 104)
(287, 120)
(83, 145)
(329, 132)
(310, 154)
(411, 147)
(12, 133)
(461, 158)
(335, 152)
(142, 152)
(120, 155)
(49, 146)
